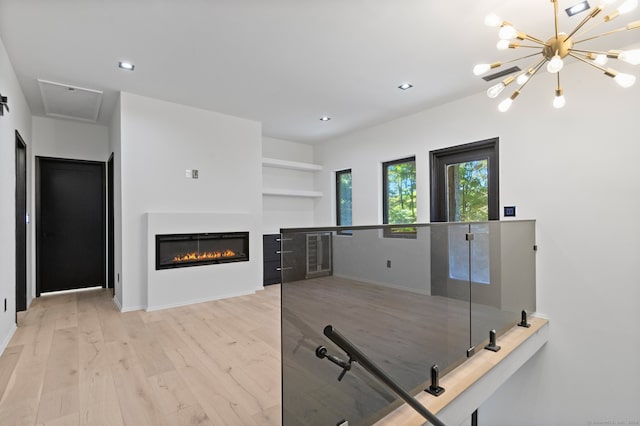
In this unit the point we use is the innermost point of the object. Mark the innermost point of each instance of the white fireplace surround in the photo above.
(168, 288)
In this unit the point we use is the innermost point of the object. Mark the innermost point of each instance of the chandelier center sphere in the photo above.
(560, 45)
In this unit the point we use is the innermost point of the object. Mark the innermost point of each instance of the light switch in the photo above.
(187, 173)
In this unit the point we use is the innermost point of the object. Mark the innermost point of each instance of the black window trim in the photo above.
(440, 158)
(387, 232)
(339, 173)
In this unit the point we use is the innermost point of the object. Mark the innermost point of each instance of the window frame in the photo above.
(338, 174)
(389, 232)
(441, 158)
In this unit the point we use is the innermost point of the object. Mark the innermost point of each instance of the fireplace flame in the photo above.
(206, 255)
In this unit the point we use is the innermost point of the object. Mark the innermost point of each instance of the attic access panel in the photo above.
(66, 101)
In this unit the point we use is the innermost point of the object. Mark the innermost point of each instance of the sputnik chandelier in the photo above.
(557, 48)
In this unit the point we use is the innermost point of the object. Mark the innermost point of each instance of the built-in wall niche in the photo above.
(296, 166)
(197, 249)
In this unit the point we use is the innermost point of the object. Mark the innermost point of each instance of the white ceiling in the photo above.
(284, 63)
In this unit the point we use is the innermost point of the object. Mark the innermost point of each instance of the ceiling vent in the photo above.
(502, 73)
(62, 100)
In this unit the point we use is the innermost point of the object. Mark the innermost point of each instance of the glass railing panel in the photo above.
(450, 285)
(502, 276)
(407, 300)
(377, 291)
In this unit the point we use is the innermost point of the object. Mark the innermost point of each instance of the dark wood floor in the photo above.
(403, 332)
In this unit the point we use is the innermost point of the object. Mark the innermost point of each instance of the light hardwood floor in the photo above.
(76, 360)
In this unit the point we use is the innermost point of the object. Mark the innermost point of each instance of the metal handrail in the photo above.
(355, 355)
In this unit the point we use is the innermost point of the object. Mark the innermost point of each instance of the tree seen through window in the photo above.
(400, 191)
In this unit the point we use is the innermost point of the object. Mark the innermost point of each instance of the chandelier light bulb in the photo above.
(600, 59)
(492, 20)
(627, 6)
(559, 101)
(523, 78)
(505, 105)
(481, 69)
(625, 80)
(507, 32)
(630, 56)
(607, 2)
(503, 44)
(555, 64)
(495, 90)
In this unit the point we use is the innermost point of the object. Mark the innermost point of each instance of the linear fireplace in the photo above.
(183, 250)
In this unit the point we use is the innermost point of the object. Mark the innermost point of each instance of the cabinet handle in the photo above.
(283, 239)
(284, 251)
(284, 269)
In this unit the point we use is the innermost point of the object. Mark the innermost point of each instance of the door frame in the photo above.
(110, 224)
(38, 213)
(21, 222)
(440, 158)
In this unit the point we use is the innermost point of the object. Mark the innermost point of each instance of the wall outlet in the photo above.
(194, 174)
(388, 264)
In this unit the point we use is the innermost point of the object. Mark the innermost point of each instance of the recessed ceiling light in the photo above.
(405, 86)
(325, 118)
(126, 65)
(577, 8)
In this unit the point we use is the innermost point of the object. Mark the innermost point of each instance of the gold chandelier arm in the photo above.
(555, 15)
(521, 57)
(588, 62)
(518, 46)
(586, 19)
(629, 27)
(533, 39)
(536, 69)
(595, 52)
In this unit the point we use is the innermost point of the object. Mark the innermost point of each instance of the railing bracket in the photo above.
(321, 352)
(492, 342)
(523, 322)
(435, 389)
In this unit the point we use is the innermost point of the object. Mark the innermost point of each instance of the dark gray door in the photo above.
(70, 243)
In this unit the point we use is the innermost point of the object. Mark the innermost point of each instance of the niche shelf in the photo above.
(291, 165)
(291, 193)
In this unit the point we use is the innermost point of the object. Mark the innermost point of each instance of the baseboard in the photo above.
(117, 303)
(7, 339)
(541, 315)
(194, 301)
(132, 308)
(387, 285)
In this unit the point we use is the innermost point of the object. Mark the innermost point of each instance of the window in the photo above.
(464, 183)
(468, 191)
(343, 198)
(399, 194)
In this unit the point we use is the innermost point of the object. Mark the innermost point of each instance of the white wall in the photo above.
(574, 171)
(75, 140)
(286, 212)
(159, 141)
(18, 118)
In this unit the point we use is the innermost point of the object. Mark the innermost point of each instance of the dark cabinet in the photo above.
(271, 258)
